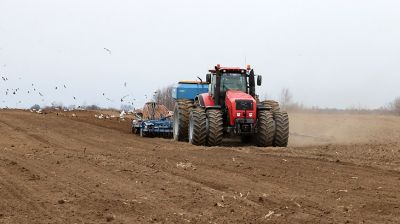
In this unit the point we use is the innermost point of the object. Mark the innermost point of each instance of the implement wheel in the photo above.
(142, 133)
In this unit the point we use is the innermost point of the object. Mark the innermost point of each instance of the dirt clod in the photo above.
(110, 218)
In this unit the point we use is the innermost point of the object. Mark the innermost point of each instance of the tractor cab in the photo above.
(223, 79)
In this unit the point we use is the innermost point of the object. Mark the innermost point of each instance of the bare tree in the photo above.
(164, 96)
(396, 105)
(285, 98)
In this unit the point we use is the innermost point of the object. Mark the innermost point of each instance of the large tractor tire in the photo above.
(215, 127)
(181, 119)
(265, 129)
(281, 129)
(197, 127)
(273, 104)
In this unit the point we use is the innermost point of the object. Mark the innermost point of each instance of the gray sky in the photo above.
(331, 53)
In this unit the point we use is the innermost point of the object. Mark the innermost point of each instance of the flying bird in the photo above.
(125, 84)
(108, 50)
(122, 99)
(74, 98)
(65, 86)
(40, 94)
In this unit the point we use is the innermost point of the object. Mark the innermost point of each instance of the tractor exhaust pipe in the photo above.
(252, 84)
(217, 89)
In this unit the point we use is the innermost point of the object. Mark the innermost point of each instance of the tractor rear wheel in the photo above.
(197, 127)
(281, 129)
(273, 104)
(265, 129)
(215, 126)
(181, 119)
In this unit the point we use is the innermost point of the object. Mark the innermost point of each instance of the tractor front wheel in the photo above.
(265, 129)
(281, 129)
(215, 126)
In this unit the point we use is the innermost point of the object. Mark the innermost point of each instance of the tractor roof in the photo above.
(229, 69)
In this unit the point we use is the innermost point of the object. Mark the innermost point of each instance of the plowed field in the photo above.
(59, 168)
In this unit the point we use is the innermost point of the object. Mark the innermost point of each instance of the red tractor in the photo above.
(230, 108)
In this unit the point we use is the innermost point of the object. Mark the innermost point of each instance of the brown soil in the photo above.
(56, 168)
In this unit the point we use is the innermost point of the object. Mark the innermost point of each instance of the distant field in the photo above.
(321, 128)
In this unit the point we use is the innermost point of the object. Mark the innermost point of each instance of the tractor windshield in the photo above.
(233, 81)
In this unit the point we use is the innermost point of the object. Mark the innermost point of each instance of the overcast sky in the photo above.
(331, 53)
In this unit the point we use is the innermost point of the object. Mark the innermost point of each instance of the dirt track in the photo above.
(63, 169)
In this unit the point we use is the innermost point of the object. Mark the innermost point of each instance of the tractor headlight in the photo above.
(238, 114)
(250, 114)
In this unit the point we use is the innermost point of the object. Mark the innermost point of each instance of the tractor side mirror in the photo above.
(259, 80)
(208, 78)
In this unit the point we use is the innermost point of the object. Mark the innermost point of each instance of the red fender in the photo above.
(205, 100)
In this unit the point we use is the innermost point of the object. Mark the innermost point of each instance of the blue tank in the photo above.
(189, 90)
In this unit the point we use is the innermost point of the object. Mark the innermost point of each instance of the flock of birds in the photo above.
(33, 89)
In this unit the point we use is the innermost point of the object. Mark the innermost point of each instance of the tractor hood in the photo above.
(240, 105)
(233, 95)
